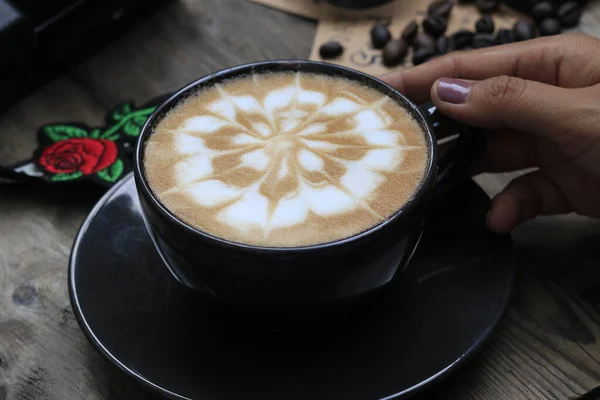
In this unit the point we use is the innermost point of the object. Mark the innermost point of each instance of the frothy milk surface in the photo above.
(286, 159)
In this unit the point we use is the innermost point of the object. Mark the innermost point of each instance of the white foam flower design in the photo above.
(269, 163)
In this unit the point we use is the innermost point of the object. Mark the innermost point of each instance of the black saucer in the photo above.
(181, 344)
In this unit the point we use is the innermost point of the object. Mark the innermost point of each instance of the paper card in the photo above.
(355, 37)
(319, 9)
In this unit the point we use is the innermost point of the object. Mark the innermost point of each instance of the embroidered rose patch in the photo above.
(71, 152)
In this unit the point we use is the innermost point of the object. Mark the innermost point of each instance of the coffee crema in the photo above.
(286, 159)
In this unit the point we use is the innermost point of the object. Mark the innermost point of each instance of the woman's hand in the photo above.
(539, 100)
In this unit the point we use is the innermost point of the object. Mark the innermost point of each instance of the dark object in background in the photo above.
(380, 35)
(485, 25)
(505, 36)
(549, 27)
(424, 41)
(482, 40)
(592, 395)
(39, 39)
(461, 39)
(331, 49)
(443, 45)
(435, 25)
(423, 55)
(394, 52)
(409, 33)
(526, 6)
(524, 30)
(542, 10)
(569, 14)
(441, 8)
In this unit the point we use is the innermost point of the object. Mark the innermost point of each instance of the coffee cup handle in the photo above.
(459, 162)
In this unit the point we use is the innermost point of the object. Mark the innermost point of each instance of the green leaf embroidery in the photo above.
(121, 112)
(141, 119)
(128, 122)
(146, 112)
(95, 133)
(66, 177)
(132, 129)
(112, 173)
(56, 133)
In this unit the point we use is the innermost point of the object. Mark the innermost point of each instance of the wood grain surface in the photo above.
(546, 348)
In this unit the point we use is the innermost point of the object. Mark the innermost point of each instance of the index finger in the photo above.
(538, 59)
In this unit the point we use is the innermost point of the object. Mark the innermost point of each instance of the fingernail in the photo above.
(454, 91)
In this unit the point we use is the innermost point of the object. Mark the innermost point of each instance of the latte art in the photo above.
(285, 160)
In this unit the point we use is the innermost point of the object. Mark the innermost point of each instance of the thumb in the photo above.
(506, 102)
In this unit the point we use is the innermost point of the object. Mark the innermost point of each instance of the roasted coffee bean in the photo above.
(409, 33)
(394, 52)
(569, 14)
(549, 27)
(524, 31)
(442, 8)
(487, 6)
(331, 49)
(461, 39)
(505, 36)
(443, 45)
(451, 45)
(485, 25)
(380, 35)
(424, 41)
(435, 25)
(423, 55)
(542, 10)
(482, 40)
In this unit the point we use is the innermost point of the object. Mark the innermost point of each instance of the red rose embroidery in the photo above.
(79, 154)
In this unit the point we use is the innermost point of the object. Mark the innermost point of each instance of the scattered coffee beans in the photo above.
(549, 27)
(569, 14)
(462, 39)
(482, 40)
(485, 25)
(435, 25)
(409, 33)
(550, 17)
(394, 52)
(441, 8)
(423, 55)
(443, 45)
(505, 36)
(524, 30)
(542, 10)
(331, 49)
(380, 35)
(424, 41)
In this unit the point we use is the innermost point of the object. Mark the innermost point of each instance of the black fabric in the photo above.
(7, 175)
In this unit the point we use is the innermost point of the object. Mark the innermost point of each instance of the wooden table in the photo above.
(546, 348)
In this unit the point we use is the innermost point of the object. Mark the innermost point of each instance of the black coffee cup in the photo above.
(343, 271)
